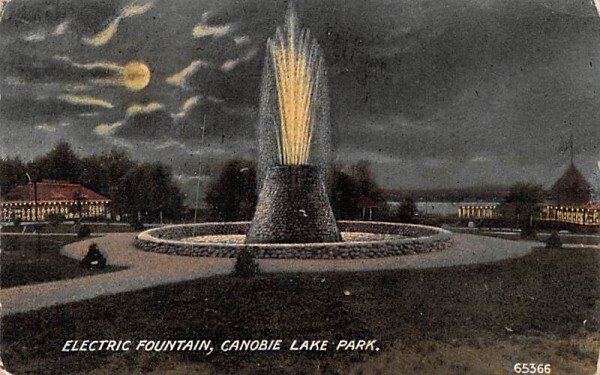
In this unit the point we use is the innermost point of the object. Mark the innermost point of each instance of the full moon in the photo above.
(135, 75)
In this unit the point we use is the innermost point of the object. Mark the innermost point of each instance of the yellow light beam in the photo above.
(296, 63)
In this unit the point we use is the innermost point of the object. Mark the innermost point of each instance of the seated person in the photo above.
(93, 258)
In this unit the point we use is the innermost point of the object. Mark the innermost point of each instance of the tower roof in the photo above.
(571, 187)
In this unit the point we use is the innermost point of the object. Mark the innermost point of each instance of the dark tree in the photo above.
(521, 206)
(366, 182)
(61, 163)
(132, 187)
(232, 196)
(344, 196)
(369, 194)
(245, 265)
(12, 173)
(104, 173)
(349, 192)
(93, 174)
(148, 190)
(407, 211)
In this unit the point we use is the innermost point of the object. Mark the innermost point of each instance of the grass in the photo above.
(463, 320)
(572, 238)
(29, 260)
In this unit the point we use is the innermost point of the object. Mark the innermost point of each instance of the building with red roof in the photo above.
(52, 197)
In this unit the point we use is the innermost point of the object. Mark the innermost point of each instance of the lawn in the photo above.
(30, 260)
(482, 319)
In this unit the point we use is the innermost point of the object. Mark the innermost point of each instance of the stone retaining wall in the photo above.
(293, 207)
(422, 239)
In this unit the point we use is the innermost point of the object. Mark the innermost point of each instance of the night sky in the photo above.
(433, 93)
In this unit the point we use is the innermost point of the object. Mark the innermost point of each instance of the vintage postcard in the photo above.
(300, 187)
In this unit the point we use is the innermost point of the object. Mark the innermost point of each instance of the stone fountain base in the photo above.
(363, 240)
(293, 207)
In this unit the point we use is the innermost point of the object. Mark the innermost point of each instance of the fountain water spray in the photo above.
(293, 206)
(293, 123)
(298, 64)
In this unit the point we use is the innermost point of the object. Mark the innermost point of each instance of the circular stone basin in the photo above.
(361, 239)
(241, 238)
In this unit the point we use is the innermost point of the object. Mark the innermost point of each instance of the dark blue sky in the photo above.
(433, 93)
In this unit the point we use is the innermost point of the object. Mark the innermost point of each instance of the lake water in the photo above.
(442, 208)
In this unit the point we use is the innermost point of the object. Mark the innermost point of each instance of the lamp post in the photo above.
(35, 197)
(199, 174)
(35, 208)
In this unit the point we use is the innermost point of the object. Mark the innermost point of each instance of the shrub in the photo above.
(554, 242)
(137, 225)
(528, 233)
(55, 219)
(17, 221)
(245, 265)
(84, 231)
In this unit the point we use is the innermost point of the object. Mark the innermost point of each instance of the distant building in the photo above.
(571, 203)
(478, 212)
(571, 195)
(588, 215)
(52, 197)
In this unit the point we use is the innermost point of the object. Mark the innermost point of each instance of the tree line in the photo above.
(233, 194)
(148, 190)
(144, 189)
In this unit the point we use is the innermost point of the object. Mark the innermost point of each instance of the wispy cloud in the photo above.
(47, 128)
(61, 28)
(102, 37)
(105, 35)
(480, 159)
(77, 87)
(231, 64)
(136, 9)
(42, 34)
(180, 78)
(115, 80)
(108, 65)
(89, 114)
(14, 81)
(187, 106)
(111, 81)
(35, 36)
(52, 127)
(241, 40)
(202, 30)
(85, 100)
(141, 108)
(107, 129)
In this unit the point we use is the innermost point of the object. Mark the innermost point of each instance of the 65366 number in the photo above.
(532, 368)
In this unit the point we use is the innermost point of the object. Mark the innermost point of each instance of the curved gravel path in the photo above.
(147, 269)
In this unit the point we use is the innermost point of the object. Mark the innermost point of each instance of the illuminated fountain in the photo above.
(293, 218)
(294, 117)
